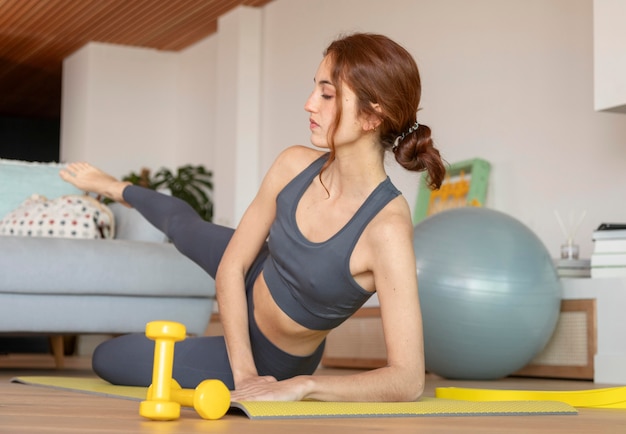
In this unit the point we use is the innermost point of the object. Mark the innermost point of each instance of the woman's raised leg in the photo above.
(201, 241)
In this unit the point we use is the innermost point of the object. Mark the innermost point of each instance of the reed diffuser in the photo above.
(570, 250)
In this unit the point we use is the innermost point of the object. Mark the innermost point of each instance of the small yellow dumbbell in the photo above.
(210, 399)
(159, 405)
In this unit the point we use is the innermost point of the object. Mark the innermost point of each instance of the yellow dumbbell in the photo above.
(210, 399)
(159, 405)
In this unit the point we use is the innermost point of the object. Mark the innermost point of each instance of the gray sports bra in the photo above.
(311, 282)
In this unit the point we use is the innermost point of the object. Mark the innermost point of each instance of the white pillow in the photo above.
(69, 216)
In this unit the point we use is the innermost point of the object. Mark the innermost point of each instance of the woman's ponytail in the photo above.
(415, 151)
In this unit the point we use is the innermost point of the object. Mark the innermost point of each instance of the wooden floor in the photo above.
(31, 409)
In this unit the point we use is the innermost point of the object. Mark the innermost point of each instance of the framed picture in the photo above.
(465, 184)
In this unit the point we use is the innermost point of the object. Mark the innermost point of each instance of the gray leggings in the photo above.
(127, 360)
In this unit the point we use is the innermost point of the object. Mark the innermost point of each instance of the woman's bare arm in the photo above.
(396, 282)
(393, 265)
(239, 256)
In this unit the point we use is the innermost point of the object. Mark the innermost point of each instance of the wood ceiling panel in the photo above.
(36, 35)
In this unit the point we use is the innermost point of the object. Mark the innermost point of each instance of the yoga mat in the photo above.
(424, 407)
(316, 409)
(611, 397)
(95, 386)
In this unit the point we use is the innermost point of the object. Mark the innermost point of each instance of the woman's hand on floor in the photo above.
(269, 389)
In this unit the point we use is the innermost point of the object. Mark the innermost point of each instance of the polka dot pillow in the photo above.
(70, 216)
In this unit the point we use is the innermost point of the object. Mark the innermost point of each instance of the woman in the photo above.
(326, 230)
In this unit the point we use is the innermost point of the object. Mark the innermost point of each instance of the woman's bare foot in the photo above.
(89, 178)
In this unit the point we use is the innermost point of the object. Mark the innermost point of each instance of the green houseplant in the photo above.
(193, 184)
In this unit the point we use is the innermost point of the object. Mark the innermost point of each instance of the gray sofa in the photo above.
(58, 286)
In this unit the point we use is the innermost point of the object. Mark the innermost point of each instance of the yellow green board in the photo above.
(465, 184)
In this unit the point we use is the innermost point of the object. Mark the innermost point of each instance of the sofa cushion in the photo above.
(109, 314)
(21, 179)
(99, 267)
(130, 225)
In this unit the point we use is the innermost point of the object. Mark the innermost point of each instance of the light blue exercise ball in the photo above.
(489, 293)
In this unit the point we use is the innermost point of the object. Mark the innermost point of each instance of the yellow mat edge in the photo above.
(428, 408)
(287, 410)
(93, 386)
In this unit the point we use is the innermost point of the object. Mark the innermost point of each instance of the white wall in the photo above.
(510, 81)
(125, 108)
(119, 107)
(238, 93)
(196, 102)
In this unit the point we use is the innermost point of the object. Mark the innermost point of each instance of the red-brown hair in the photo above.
(380, 71)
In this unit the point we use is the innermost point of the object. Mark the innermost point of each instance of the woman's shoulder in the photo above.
(392, 221)
(295, 159)
(299, 155)
(287, 165)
